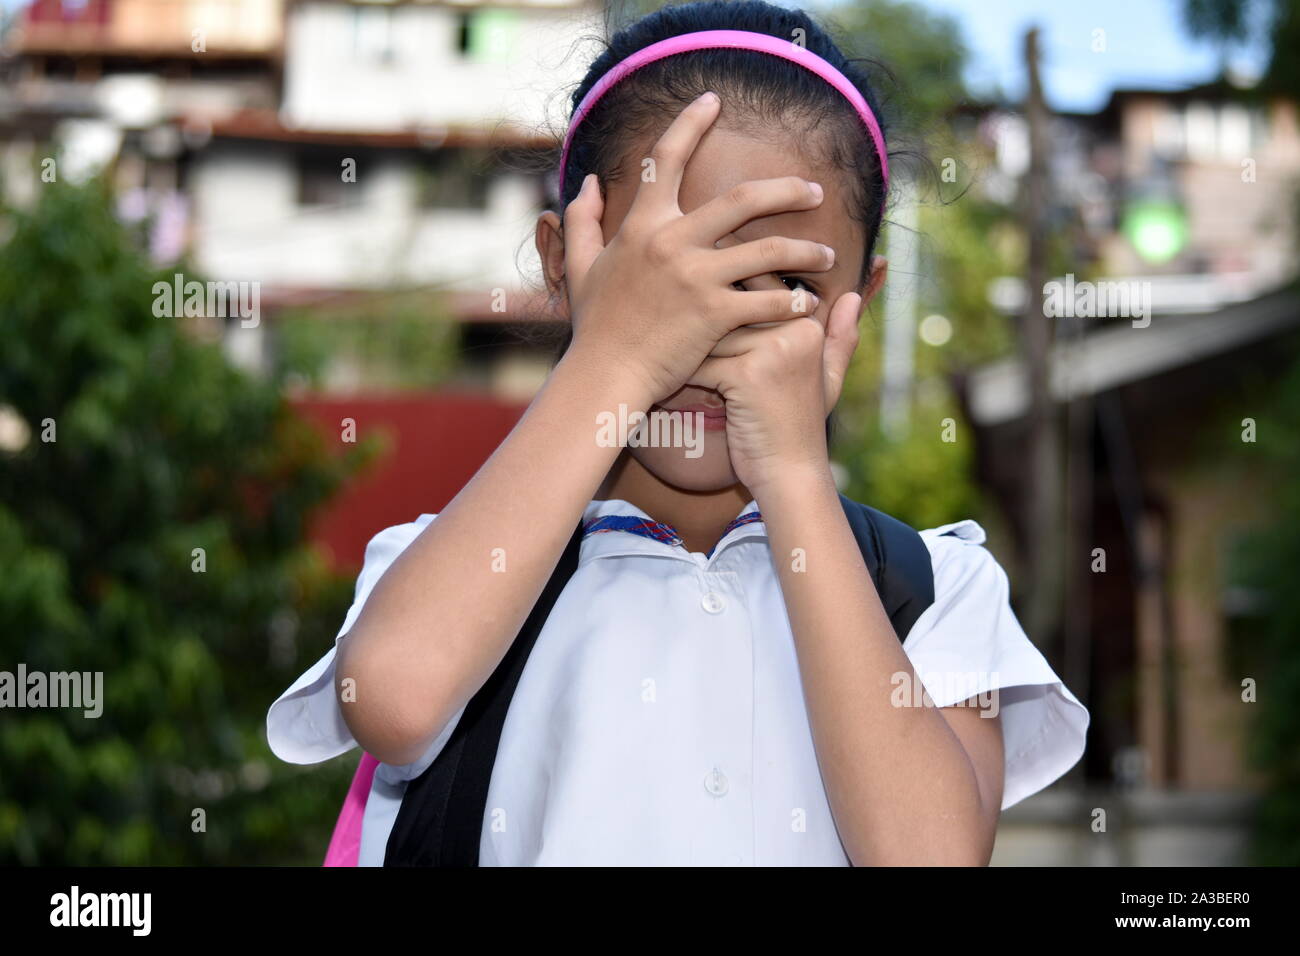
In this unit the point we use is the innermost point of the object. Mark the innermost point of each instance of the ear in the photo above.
(875, 279)
(549, 237)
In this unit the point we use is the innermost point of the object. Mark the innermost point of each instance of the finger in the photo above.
(767, 280)
(775, 254)
(768, 306)
(731, 343)
(751, 199)
(711, 374)
(841, 343)
(671, 152)
(584, 239)
(736, 342)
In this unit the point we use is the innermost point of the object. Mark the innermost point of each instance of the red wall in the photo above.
(54, 11)
(436, 443)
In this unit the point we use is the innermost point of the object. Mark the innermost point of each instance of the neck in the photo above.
(698, 516)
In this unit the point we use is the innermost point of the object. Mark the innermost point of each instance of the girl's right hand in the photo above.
(657, 299)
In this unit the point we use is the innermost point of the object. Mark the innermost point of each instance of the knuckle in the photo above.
(658, 248)
(749, 365)
(793, 340)
(741, 195)
(770, 248)
(661, 152)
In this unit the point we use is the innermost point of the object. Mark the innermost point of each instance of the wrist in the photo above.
(609, 382)
(795, 482)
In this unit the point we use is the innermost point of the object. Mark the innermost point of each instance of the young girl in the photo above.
(717, 683)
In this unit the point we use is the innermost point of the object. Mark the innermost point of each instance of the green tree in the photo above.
(1275, 23)
(919, 476)
(131, 444)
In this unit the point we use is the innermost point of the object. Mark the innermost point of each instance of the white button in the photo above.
(716, 782)
(713, 602)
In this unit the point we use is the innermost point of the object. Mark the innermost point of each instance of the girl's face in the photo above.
(723, 159)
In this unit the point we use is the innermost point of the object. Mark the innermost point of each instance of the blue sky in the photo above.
(1146, 45)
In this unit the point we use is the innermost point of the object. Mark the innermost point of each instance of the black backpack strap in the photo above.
(898, 560)
(440, 821)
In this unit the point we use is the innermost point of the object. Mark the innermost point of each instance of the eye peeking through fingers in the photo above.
(791, 283)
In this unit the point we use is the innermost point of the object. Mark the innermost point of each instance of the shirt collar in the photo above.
(629, 530)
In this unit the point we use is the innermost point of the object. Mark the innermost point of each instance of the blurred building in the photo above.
(1189, 190)
(332, 154)
(1185, 200)
(320, 149)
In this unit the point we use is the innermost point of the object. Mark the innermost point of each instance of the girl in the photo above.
(717, 682)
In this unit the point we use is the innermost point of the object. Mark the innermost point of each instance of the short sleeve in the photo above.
(305, 724)
(969, 642)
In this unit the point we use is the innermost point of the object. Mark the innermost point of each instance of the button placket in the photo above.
(724, 777)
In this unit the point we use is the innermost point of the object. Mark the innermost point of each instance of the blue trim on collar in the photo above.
(657, 530)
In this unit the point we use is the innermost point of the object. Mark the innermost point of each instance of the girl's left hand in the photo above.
(779, 384)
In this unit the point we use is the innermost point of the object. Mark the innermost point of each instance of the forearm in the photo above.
(899, 782)
(443, 615)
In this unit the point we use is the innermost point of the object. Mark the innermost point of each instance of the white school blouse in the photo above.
(660, 718)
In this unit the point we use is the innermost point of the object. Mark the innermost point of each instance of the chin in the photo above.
(711, 471)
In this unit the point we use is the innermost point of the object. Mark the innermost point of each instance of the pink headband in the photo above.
(734, 39)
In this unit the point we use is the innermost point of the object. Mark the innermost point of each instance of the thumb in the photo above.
(583, 238)
(841, 343)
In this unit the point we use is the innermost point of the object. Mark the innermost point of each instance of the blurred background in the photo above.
(188, 478)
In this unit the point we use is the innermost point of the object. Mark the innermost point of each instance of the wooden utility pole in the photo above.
(1043, 517)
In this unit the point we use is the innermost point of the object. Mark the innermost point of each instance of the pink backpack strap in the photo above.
(345, 844)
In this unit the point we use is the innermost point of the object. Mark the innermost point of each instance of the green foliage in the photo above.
(1265, 566)
(160, 448)
(923, 50)
(919, 476)
(1275, 23)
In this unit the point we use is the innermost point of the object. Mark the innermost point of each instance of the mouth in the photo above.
(715, 416)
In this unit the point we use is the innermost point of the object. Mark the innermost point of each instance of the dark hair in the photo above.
(753, 86)
(769, 91)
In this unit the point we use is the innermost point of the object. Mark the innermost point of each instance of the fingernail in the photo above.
(830, 254)
(710, 96)
(816, 190)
